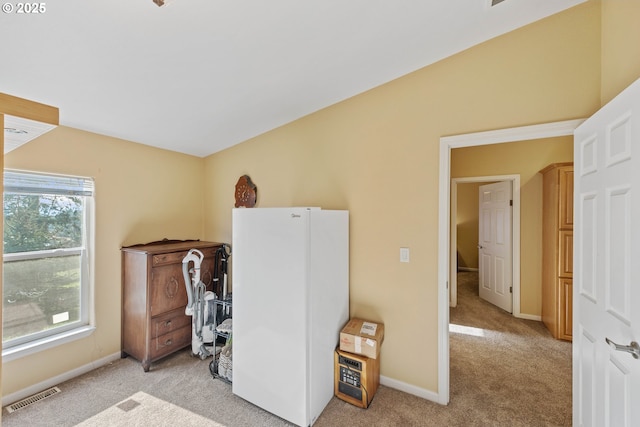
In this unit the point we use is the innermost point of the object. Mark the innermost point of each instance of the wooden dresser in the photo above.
(154, 297)
(557, 249)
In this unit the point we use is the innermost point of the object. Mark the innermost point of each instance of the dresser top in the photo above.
(164, 246)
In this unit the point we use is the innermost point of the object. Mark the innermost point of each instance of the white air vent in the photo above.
(32, 399)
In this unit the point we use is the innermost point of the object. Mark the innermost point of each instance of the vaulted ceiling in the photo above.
(198, 76)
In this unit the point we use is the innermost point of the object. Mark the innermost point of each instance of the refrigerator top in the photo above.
(308, 208)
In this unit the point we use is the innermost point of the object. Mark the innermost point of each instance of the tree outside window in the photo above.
(44, 277)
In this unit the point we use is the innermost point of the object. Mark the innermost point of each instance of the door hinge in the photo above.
(510, 202)
(511, 289)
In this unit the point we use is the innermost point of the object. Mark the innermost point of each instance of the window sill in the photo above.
(37, 346)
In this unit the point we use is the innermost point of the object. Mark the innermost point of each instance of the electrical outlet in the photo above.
(404, 254)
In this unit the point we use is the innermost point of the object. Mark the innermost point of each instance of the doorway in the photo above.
(447, 144)
(515, 233)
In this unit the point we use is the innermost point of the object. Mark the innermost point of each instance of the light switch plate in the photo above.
(404, 254)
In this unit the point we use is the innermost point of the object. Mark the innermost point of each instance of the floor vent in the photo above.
(33, 399)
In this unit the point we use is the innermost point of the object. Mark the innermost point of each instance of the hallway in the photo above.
(512, 366)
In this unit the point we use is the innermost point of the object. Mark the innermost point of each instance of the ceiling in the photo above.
(198, 76)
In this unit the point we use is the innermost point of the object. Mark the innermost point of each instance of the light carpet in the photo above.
(142, 409)
(505, 372)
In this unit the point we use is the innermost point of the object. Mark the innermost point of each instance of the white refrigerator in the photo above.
(290, 277)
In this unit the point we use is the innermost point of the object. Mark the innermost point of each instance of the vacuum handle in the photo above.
(193, 256)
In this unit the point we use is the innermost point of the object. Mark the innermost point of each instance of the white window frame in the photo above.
(23, 346)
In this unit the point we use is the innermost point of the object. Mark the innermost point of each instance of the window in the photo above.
(46, 279)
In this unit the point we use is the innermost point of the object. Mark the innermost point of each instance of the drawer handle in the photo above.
(167, 324)
(168, 342)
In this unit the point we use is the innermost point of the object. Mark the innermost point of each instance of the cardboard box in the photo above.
(362, 337)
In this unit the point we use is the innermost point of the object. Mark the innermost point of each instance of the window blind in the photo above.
(39, 183)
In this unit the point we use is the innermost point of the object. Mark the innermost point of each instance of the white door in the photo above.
(606, 300)
(494, 244)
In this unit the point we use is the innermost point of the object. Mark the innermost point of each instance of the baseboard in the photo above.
(54, 381)
(467, 269)
(411, 389)
(51, 382)
(528, 317)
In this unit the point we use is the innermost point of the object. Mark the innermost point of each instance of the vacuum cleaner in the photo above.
(199, 306)
(200, 302)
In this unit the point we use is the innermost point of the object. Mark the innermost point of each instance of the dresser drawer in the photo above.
(167, 290)
(169, 322)
(168, 343)
(177, 257)
(170, 258)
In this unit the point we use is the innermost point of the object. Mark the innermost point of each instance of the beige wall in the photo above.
(377, 155)
(620, 51)
(142, 194)
(525, 158)
(467, 218)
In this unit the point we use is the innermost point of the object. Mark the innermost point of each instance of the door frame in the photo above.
(515, 236)
(447, 143)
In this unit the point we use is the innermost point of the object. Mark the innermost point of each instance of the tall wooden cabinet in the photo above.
(154, 297)
(557, 249)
